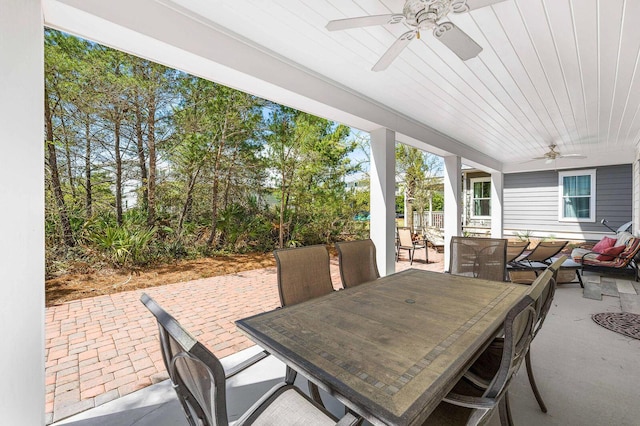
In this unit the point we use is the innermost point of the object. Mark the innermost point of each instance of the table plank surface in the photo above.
(392, 348)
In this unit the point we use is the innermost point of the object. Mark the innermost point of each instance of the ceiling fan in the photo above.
(552, 154)
(422, 15)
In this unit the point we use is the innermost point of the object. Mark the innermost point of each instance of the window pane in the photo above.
(481, 208)
(486, 189)
(477, 189)
(576, 207)
(583, 185)
(576, 185)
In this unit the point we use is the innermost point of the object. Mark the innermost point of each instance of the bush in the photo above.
(124, 245)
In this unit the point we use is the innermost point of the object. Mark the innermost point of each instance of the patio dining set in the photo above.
(411, 348)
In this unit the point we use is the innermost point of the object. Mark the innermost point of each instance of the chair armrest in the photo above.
(613, 257)
(349, 420)
(476, 380)
(470, 401)
(246, 364)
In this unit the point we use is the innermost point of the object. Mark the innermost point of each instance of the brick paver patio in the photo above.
(105, 347)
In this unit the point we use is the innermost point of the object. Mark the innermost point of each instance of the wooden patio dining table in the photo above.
(391, 349)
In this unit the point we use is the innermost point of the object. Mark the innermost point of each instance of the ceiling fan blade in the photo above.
(572, 156)
(392, 53)
(539, 158)
(364, 21)
(462, 6)
(457, 40)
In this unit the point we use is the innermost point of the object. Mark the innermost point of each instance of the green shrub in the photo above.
(124, 245)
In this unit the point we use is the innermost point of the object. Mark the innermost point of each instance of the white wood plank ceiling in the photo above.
(552, 71)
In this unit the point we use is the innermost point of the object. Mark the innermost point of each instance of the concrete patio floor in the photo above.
(103, 348)
(587, 375)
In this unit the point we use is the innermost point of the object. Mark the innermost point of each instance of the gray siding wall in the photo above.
(531, 201)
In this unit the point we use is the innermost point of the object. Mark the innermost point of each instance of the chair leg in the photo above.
(502, 410)
(356, 415)
(532, 381)
(314, 392)
(290, 375)
(508, 408)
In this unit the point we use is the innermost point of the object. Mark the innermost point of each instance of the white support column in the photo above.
(497, 194)
(452, 202)
(383, 198)
(22, 215)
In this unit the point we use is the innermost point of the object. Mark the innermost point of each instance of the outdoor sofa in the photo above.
(610, 255)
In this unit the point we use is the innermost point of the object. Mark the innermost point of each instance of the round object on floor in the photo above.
(624, 323)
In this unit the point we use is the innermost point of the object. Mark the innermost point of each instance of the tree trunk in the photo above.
(67, 234)
(214, 193)
(67, 152)
(229, 174)
(151, 144)
(282, 207)
(408, 212)
(118, 157)
(188, 203)
(87, 168)
(142, 161)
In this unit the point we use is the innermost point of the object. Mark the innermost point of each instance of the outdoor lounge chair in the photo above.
(469, 405)
(303, 274)
(406, 242)
(476, 257)
(525, 269)
(357, 262)
(515, 250)
(199, 381)
(543, 252)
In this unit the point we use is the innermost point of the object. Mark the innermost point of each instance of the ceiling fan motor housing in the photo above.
(424, 14)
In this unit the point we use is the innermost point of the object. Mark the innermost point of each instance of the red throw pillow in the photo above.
(611, 253)
(603, 244)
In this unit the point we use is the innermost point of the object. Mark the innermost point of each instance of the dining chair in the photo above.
(542, 292)
(469, 405)
(303, 274)
(477, 257)
(406, 242)
(556, 265)
(357, 261)
(200, 383)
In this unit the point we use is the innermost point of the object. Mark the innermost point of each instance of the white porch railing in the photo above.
(429, 219)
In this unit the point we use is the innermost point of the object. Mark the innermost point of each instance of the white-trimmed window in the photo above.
(481, 198)
(577, 191)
